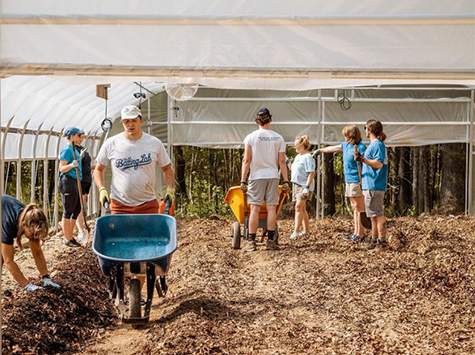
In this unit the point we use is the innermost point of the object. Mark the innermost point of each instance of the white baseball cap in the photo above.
(130, 112)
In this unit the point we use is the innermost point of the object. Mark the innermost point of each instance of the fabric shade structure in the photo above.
(297, 56)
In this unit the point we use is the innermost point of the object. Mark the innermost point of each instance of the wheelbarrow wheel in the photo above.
(134, 299)
(236, 229)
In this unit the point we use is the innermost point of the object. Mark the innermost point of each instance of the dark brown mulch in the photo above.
(52, 321)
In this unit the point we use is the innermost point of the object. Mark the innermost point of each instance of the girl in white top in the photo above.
(303, 172)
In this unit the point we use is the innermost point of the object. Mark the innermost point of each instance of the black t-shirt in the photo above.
(85, 165)
(11, 209)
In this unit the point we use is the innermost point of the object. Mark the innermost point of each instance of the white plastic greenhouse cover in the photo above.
(267, 44)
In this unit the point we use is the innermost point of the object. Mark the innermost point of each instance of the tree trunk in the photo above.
(452, 189)
(427, 188)
(180, 165)
(415, 177)
(404, 174)
(329, 185)
(435, 177)
(393, 177)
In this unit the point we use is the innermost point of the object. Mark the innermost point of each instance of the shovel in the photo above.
(80, 190)
(365, 221)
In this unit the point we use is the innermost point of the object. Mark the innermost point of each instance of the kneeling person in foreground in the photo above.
(30, 221)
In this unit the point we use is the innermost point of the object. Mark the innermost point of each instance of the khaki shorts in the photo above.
(374, 203)
(263, 190)
(353, 190)
(297, 193)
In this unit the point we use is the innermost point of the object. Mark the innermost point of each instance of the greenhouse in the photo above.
(199, 73)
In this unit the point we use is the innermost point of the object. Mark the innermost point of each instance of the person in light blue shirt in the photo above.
(303, 172)
(375, 176)
(353, 189)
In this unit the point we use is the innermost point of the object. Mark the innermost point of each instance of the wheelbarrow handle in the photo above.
(168, 205)
(107, 207)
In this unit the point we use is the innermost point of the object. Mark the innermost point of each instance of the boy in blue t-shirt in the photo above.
(375, 176)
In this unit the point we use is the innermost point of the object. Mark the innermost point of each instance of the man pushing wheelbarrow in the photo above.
(135, 240)
(264, 153)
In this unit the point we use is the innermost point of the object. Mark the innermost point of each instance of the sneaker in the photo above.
(372, 243)
(73, 243)
(348, 238)
(250, 246)
(83, 236)
(302, 234)
(383, 243)
(294, 235)
(271, 244)
(357, 238)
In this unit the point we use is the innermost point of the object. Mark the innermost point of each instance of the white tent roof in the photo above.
(267, 44)
(370, 39)
(52, 104)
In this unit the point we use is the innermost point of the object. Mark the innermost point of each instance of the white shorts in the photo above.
(353, 190)
(297, 193)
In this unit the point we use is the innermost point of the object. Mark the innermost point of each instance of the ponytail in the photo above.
(305, 141)
(376, 128)
(32, 217)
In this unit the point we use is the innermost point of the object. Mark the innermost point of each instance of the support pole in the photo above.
(56, 175)
(45, 177)
(19, 193)
(34, 171)
(471, 153)
(319, 178)
(2, 139)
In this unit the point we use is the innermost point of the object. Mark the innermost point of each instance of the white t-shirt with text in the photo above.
(133, 165)
(265, 148)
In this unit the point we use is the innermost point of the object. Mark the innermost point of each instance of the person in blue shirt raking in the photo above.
(375, 176)
(353, 189)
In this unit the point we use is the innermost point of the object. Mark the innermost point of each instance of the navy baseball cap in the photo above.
(263, 112)
(71, 131)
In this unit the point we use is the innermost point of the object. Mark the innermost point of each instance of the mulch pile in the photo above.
(52, 321)
(319, 294)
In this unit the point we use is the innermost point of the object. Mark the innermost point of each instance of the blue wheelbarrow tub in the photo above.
(134, 238)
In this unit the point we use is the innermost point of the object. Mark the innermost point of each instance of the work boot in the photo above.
(250, 245)
(271, 244)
